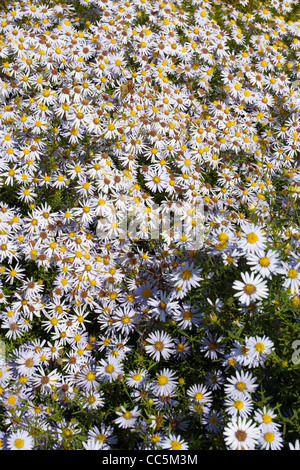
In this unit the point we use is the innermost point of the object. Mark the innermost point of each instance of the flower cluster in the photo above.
(131, 329)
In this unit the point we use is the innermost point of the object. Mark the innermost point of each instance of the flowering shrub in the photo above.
(156, 335)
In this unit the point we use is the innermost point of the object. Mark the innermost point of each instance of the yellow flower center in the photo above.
(267, 419)
(29, 363)
(101, 438)
(293, 274)
(68, 433)
(241, 386)
(155, 439)
(249, 289)
(109, 369)
(11, 400)
(19, 443)
(186, 275)
(180, 348)
(90, 376)
(159, 345)
(264, 262)
(162, 380)
(137, 377)
(259, 347)
(223, 237)
(239, 405)
(187, 315)
(199, 396)
(269, 437)
(162, 305)
(252, 238)
(175, 445)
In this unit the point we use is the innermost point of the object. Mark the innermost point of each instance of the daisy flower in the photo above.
(182, 348)
(15, 327)
(251, 289)
(214, 380)
(292, 276)
(253, 239)
(270, 440)
(45, 381)
(5, 372)
(213, 421)
(88, 378)
(127, 419)
(200, 395)
(125, 319)
(159, 344)
(188, 317)
(112, 129)
(94, 400)
(32, 288)
(20, 440)
(156, 179)
(242, 407)
(241, 434)
(240, 353)
(211, 346)
(174, 442)
(264, 263)
(164, 383)
(26, 363)
(241, 384)
(136, 378)
(27, 195)
(187, 276)
(259, 348)
(166, 402)
(161, 305)
(73, 362)
(11, 401)
(103, 435)
(265, 418)
(15, 273)
(110, 369)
